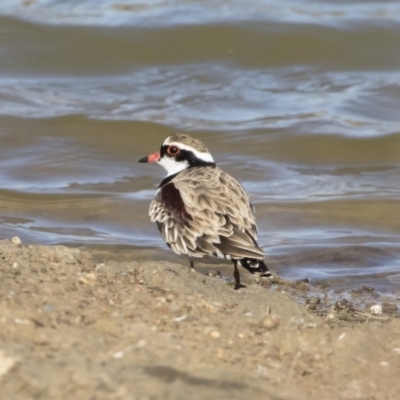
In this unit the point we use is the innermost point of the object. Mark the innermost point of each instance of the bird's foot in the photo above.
(239, 286)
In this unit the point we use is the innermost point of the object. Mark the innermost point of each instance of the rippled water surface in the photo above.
(299, 100)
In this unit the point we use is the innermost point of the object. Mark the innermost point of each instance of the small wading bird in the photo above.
(201, 210)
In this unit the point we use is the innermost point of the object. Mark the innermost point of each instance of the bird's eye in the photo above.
(173, 150)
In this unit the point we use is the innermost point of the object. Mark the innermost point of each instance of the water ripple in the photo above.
(218, 98)
(175, 12)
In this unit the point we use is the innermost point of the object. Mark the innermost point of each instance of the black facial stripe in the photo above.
(163, 150)
(190, 157)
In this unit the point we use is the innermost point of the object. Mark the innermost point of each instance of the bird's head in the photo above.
(179, 152)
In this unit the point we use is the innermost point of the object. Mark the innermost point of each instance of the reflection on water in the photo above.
(297, 99)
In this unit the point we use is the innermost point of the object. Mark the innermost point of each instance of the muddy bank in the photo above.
(72, 327)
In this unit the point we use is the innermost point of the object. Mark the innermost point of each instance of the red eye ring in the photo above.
(173, 150)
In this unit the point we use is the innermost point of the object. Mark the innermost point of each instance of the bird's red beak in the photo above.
(151, 158)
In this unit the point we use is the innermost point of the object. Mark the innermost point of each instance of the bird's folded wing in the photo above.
(220, 216)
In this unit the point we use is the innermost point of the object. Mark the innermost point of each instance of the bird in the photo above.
(202, 211)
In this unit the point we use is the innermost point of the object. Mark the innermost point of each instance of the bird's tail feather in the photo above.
(255, 266)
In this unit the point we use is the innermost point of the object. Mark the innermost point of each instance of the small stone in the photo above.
(15, 265)
(179, 319)
(91, 276)
(240, 335)
(311, 325)
(22, 321)
(215, 274)
(376, 309)
(313, 300)
(384, 364)
(396, 350)
(344, 305)
(88, 278)
(16, 240)
(215, 334)
(6, 363)
(271, 322)
(364, 289)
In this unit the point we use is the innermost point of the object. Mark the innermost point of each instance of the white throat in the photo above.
(172, 166)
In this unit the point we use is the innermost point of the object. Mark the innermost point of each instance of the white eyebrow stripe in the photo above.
(207, 157)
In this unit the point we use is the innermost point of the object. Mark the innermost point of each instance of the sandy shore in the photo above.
(74, 328)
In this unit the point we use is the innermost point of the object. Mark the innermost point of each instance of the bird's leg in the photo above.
(191, 265)
(236, 275)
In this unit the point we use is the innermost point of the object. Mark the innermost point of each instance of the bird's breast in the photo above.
(170, 197)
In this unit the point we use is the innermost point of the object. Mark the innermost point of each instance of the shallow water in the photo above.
(298, 99)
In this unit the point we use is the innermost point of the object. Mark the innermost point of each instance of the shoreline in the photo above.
(72, 328)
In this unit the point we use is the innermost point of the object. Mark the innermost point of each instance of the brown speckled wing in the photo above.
(172, 218)
(204, 211)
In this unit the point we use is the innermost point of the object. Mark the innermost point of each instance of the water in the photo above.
(298, 99)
